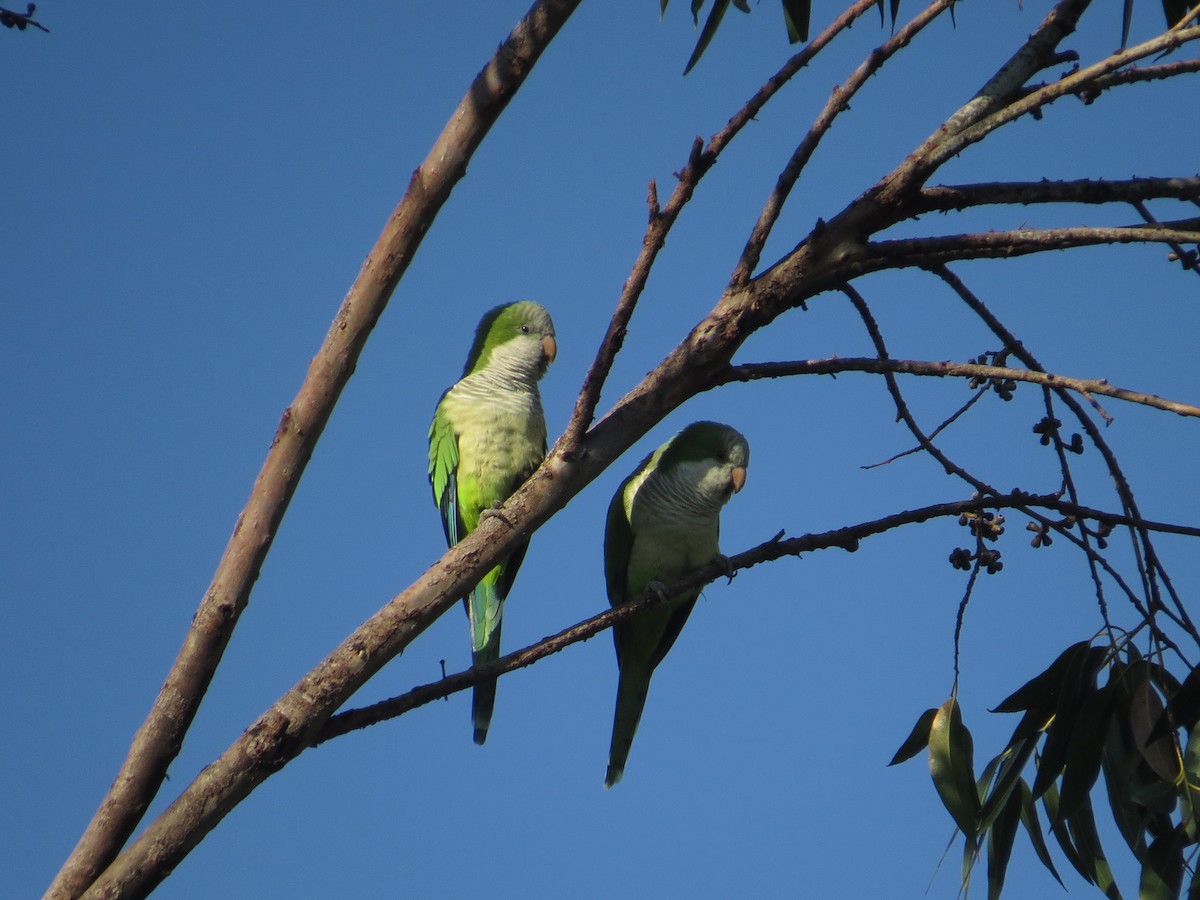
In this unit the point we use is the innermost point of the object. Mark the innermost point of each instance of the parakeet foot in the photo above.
(726, 567)
(494, 511)
(658, 589)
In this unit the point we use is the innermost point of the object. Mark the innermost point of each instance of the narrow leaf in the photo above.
(1174, 10)
(1126, 18)
(1082, 766)
(1033, 827)
(918, 738)
(1015, 755)
(742, 5)
(1041, 691)
(1191, 785)
(1087, 842)
(1077, 682)
(797, 15)
(1000, 844)
(1061, 834)
(951, 764)
(1161, 753)
(1162, 871)
(1183, 709)
(1121, 763)
(710, 28)
(697, 5)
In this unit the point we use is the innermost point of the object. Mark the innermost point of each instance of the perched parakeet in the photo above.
(488, 436)
(663, 523)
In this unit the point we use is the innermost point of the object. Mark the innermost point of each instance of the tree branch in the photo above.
(944, 198)
(847, 538)
(837, 365)
(932, 251)
(158, 740)
(838, 102)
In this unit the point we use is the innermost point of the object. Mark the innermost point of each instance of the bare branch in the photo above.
(1093, 191)
(838, 103)
(846, 538)
(1079, 82)
(158, 740)
(932, 251)
(837, 365)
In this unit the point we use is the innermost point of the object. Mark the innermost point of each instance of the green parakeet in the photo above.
(488, 436)
(663, 523)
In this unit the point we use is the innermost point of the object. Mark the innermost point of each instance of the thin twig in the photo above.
(846, 538)
(941, 369)
(838, 102)
(943, 198)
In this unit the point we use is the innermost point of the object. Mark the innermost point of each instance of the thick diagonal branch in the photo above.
(158, 740)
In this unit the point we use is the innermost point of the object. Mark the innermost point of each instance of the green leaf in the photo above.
(662, 8)
(1041, 691)
(1161, 753)
(1126, 17)
(742, 5)
(1174, 10)
(1000, 844)
(1075, 685)
(951, 764)
(1033, 827)
(796, 15)
(1190, 789)
(1121, 764)
(1084, 751)
(1162, 871)
(710, 28)
(697, 5)
(1061, 834)
(918, 738)
(1183, 709)
(1087, 842)
(1015, 756)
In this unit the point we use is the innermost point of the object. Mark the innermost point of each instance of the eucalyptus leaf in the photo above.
(1162, 870)
(918, 738)
(1000, 843)
(1084, 751)
(797, 15)
(1041, 691)
(1033, 827)
(951, 752)
(711, 24)
(1162, 753)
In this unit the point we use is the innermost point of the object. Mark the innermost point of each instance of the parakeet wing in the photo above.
(443, 476)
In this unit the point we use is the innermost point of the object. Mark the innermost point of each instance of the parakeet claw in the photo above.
(658, 589)
(726, 567)
(494, 511)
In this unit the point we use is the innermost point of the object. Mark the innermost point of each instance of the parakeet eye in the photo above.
(524, 329)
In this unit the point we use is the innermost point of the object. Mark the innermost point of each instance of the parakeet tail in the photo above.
(485, 648)
(631, 699)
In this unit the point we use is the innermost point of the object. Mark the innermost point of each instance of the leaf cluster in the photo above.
(797, 14)
(1095, 711)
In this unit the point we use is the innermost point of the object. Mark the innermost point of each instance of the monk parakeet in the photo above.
(488, 436)
(662, 524)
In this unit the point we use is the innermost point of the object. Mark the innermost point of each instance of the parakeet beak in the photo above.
(737, 478)
(549, 347)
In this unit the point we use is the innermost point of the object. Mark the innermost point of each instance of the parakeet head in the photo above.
(517, 335)
(716, 454)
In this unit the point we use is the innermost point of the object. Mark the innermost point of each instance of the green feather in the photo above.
(663, 523)
(487, 437)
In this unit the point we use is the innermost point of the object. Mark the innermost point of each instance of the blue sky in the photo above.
(189, 193)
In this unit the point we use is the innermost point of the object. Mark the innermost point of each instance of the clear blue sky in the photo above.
(189, 191)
